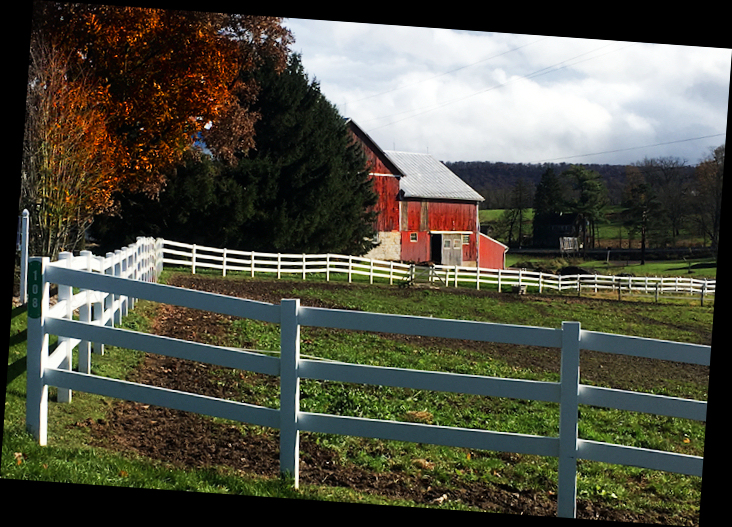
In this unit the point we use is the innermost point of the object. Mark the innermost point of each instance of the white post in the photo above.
(85, 315)
(123, 274)
(36, 412)
(98, 312)
(289, 389)
(193, 263)
(568, 411)
(252, 262)
(499, 280)
(64, 294)
(279, 263)
(327, 267)
(224, 263)
(477, 278)
(109, 297)
(24, 257)
(350, 268)
(118, 299)
(371, 272)
(391, 273)
(703, 290)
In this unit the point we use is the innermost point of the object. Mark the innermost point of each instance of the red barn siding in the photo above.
(418, 251)
(374, 162)
(387, 187)
(414, 216)
(491, 253)
(452, 216)
(470, 250)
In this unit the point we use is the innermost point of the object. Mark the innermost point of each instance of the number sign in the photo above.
(35, 289)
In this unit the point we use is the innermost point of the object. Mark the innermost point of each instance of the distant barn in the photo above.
(426, 213)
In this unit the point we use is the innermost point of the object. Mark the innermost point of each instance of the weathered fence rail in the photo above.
(198, 257)
(116, 280)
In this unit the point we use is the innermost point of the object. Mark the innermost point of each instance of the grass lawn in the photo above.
(68, 458)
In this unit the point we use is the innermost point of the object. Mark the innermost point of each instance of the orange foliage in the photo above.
(167, 76)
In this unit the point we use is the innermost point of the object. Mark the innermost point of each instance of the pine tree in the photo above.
(549, 203)
(310, 185)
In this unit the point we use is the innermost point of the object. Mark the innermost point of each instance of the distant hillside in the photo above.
(494, 180)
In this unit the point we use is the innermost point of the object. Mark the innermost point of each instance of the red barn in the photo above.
(426, 213)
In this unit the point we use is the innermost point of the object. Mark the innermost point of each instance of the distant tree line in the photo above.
(657, 199)
(495, 180)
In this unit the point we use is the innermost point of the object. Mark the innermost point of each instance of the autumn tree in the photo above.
(170, 75)
(304, 188)
(68, 172)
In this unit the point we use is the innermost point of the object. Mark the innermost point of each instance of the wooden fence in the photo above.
(115, 283)
(200, 257)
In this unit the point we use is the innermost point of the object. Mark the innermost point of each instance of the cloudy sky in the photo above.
(477, 96)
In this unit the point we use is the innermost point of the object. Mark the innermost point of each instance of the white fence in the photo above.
(118, 287)
(200, 257)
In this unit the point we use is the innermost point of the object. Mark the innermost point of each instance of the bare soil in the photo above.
(191, 440)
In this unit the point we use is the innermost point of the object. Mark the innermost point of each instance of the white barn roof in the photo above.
(423, 176)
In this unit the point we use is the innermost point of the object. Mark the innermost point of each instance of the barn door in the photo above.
(452, 249)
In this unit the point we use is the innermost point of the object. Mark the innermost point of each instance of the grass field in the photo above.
(668, 498)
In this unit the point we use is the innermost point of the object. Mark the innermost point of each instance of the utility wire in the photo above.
(445, 73)
(537, 73)
(628, 149)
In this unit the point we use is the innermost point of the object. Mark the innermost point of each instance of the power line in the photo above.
(445, 73)
(631, 148)
(537, 73)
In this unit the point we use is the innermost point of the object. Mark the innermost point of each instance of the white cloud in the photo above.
(464, 95)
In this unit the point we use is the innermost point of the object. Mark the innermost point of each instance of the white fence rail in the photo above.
(98, 284)
(199, 257)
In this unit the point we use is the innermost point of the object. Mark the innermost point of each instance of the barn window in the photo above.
(446, 244)
(412, 236)
(466, 239)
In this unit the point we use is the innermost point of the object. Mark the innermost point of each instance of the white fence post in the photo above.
(24, 257)
(193, 257)
(36, 413)
(568, 411)
(223, 265)
(289, 389)
(65, 293)
(97, 309)
(85, 315)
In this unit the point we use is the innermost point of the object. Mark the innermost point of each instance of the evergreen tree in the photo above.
(304, 188)
(200, 204)
(311, 189)
(549, 203)
(589, 197)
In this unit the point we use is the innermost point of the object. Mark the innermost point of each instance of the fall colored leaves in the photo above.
(116, 95)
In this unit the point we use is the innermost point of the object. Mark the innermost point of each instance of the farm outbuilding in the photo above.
(426, 213)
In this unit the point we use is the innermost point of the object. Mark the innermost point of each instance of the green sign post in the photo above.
(35, 289)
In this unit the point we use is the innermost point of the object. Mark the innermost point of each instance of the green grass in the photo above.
(69, 459)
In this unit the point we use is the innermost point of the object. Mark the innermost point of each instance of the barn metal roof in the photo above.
(423, 176)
